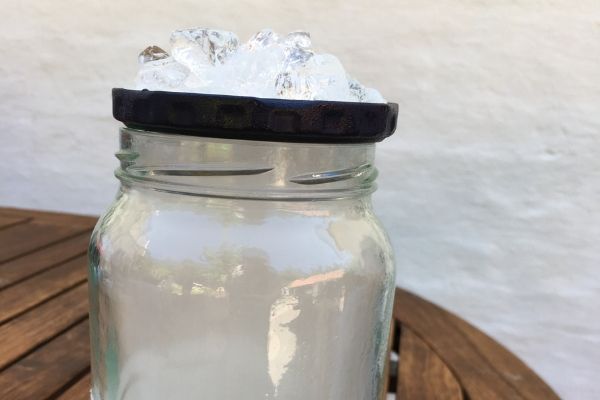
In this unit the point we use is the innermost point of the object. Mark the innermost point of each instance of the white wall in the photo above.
(490, 188)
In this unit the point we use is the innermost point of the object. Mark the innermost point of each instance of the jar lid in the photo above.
(252, 118)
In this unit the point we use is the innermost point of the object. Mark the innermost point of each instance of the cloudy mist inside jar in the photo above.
(242, 295)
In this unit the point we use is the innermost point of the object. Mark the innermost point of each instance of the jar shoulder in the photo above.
(200, 232)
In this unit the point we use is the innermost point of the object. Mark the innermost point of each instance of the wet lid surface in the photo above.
(251, 118)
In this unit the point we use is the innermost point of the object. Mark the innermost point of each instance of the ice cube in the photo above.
(293, 85)
(328, 78)
(253, 72)
(373, 96)
(262, 39)
(152, 53)
(360, 93)
(294, 81)
(296, 57)
(198, 48)
(320, 77)
(299, 39)
(268, 65)
(221, 45)
(162, 74)
(357, 91)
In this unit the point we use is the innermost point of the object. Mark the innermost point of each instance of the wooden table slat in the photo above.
(44, 342)
(21, 239)
(39, 260)
(51, 217)
(422, 374)
(513, 370)
(17, 299)
(36, 326)
(79, 391)
(6, 222)
(49, 369)
(479, 363)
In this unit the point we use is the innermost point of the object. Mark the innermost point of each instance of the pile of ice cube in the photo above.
(268, 65)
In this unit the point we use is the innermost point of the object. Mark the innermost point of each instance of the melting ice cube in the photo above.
(268, 65)
(162, 74)
(152, 53)
(201, 47)
(298, 39)
(262, 39)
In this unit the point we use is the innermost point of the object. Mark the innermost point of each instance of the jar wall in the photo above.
(227, 298)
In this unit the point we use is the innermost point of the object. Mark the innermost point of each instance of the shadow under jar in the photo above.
(239, 269)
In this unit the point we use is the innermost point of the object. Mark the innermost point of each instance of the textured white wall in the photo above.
(490, 189)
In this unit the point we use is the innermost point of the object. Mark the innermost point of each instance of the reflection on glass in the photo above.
(282, 340)
(224, 298)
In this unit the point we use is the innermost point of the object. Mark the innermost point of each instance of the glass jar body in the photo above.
(224, 297)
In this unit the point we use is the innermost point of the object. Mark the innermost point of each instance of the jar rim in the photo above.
(219, 167)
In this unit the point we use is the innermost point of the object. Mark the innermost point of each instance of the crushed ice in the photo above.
(268, 65)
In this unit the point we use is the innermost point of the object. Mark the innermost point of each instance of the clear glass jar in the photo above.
(232, 269)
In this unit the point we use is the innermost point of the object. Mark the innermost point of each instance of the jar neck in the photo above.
(243, 168)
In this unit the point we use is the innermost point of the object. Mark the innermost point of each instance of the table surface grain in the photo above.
(44, 344)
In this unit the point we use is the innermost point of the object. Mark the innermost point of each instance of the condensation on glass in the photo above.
(231, 269)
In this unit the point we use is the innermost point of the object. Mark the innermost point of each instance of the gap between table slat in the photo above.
(20, 240)
(7, 222)
(28, 331)
(50, 217)
(80, 390)
(60, 363)
(49, 369)
(24, 267)
(485, 369)
(422, 374)
(27, 294)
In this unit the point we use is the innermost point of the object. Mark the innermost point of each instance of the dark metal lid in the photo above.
(252, 118)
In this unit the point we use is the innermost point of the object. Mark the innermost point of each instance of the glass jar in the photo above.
(237, 269)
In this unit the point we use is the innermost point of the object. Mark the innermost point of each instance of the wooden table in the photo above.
(44, 341)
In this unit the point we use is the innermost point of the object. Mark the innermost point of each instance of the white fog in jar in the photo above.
(197, 290)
